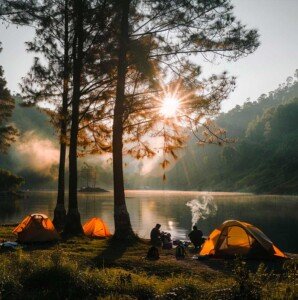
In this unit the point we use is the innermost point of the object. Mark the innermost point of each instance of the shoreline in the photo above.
(158, 191)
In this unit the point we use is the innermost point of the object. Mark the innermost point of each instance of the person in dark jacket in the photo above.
(196, 237)
(155, 236)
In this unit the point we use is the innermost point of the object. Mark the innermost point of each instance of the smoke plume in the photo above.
(201, 208)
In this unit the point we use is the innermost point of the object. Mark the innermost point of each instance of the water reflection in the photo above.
(275, 215)
(8, 208)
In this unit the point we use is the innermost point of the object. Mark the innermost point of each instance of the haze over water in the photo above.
(275, 215)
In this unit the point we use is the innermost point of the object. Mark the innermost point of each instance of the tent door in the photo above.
(234, 240)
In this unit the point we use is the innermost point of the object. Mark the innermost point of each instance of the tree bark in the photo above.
(73, 220)
(123, 229)
(60, 212)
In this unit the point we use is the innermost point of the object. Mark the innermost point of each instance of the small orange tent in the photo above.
(96, 227)
(239, 238)
(36, 228)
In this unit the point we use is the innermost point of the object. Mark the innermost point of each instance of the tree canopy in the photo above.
(8, 132)
(105, 69)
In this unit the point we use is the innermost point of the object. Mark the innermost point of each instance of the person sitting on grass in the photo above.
(196, 237)
(155, 236)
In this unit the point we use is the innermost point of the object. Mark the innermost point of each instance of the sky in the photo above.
(260, 72)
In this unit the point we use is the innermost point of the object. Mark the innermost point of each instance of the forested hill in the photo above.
(237, 120)
(34, 156)
(263, 160)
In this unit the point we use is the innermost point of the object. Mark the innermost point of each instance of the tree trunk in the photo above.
(60, 212)
(73, 220)
(123, 229)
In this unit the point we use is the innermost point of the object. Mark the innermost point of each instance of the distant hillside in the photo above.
(263, 160)
(34, 155)
(237, 119)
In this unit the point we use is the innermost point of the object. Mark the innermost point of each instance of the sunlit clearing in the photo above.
(170, 106)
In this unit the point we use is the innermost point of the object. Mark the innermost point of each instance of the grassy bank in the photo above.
(81, 268)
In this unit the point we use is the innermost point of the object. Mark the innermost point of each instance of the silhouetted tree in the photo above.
(93, 80)
(174, 30)
(8, 132)
(51, 82)
(123, 227)
(73, 220)
(60, 212)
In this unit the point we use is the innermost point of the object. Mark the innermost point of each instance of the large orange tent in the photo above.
(36, 228)
(239, 238)
(97, 228)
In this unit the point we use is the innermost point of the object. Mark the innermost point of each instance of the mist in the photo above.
(37, 154)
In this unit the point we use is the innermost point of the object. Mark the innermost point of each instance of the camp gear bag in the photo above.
(180, 252)
(152, 253)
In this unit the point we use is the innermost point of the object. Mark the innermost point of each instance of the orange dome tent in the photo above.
(239, 238)
(36, 228)
(97, 228)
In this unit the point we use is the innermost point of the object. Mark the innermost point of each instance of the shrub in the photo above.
(9, 181)
(247, 284)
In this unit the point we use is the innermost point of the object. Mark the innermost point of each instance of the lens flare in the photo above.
(169, 107)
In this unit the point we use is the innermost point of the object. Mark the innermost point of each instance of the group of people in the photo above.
(195, 236)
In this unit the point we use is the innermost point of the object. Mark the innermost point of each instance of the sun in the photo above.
(169, 107)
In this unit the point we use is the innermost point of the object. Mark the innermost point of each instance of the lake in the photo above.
(275, 215)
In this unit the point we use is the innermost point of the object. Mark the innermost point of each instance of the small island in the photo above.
(88, 180)
(89, 189)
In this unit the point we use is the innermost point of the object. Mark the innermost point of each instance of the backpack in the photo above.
(180, 252)
(152, 253)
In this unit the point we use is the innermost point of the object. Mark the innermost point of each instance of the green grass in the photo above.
(82, 268)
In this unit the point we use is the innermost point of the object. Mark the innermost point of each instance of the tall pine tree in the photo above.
(52, 79)
(174, 31)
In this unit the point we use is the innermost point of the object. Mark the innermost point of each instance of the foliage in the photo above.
(50, 78)
(168, 33)
(248, 285)
(8, 132)
(9, 181)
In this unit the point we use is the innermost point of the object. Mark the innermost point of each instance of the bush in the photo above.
(9, 181)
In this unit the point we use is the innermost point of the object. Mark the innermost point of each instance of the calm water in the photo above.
(276, 215)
